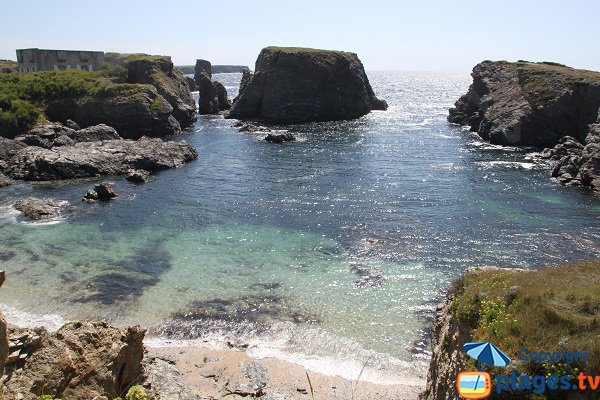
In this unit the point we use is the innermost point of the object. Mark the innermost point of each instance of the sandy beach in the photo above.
(232, 373)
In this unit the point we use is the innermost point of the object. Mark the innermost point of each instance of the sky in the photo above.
(424, 35)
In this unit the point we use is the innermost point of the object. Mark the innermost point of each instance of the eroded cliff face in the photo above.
(302, 85)
(530, 104)
(447, 360)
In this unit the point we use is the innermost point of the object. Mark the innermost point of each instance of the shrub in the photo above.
(136, 393)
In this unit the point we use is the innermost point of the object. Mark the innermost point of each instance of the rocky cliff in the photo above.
(550, 310)
(301, 85)
(530, 104)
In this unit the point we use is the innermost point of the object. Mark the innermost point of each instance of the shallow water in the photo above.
(265, 244)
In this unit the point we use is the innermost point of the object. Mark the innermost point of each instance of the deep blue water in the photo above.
(258, 242)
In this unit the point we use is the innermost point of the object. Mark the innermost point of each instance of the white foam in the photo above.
(25, 319)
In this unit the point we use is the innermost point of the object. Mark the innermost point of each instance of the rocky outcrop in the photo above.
(51, 135)
(8, 149)
(530, 104)
(202, 66)
(137, 175)
(82, 360)
(3, 332)
(191, 84)
(280, 137)
(133, 110)
(165, 382)
(170, 83)
(209, 101)
(91, 159)
(246, 78)
(104, 191)
(213, 95)
(38, 209)
(301, 85)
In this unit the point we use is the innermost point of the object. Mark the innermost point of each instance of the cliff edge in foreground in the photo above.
(302, 85)
(542, 311)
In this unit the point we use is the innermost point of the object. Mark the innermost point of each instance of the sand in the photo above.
(234, 374)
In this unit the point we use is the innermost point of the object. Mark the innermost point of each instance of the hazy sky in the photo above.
(387, 35)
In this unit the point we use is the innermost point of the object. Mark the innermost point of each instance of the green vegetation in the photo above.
(136, 393)
(23, 97)
(551, 309)
(329, 56)
(9, 64)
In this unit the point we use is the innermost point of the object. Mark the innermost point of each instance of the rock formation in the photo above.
(530, 104)
(137, 175)
(82, 360)
(168, 81)
(3, 333)
(91, 159)
(213, 95)
(104, 191)
(202, 66)
(301, 85)
(280, 137)
(38, 209)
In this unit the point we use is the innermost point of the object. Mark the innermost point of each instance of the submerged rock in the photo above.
(104, 191)
(369, 276)
(38, 209)
(91, 159)
(302, 85)
(82, 360)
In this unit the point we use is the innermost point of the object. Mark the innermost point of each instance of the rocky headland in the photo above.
(541, 105)
(295, 85)
(142, 96)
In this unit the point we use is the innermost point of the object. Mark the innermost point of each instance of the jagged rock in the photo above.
(246, 78)
(191, 83)
(5, 180)
(302, 85)
(38, 209)
(81, 361)
(4, 344)
(94, 134)
(137, 175)
(133, 110)
(531, 104)
(55, 134)
(202, 66)
(567, 146)
(168, 81)
(250, 127)
(8, 148)
(72, 124)
(224, 103)
(104, 191)
(91, 159)
(209, 101)
(280, 137)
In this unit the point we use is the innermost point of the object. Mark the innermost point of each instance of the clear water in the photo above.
(260, 243)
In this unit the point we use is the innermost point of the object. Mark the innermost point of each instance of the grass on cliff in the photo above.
(551, 309)
(23, 96)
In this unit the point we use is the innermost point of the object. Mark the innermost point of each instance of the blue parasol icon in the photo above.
(486, 353)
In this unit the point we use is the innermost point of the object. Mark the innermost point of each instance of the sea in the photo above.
(331, 251)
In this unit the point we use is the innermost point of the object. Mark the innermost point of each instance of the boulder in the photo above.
(202, 66)
(170, 83)
(38, 209)
(5, 180)
(249, 127)
(280, 137)
(104, 191)
(95, 133)
(72, 124)
(529, 104)
(137, 175)
(47, 135)
(209, 100)
(92, 159)
(301, 85)
(81, 361)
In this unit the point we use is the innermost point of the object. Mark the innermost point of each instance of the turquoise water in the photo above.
(264, 244)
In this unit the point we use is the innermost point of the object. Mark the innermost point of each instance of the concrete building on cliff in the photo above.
(31, 60)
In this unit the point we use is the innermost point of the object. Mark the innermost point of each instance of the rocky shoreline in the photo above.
(544, 105)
